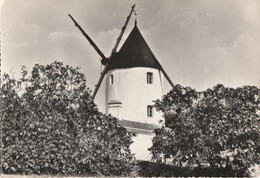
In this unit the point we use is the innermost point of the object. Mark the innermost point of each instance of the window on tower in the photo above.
(149, 111)
(149, 77)
(111, 79)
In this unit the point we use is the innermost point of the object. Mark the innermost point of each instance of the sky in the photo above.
(199, 43)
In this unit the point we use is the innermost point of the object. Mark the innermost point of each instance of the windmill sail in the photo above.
(103, 73)
(103, 57)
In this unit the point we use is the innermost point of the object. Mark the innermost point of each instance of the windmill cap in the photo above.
(135, 52)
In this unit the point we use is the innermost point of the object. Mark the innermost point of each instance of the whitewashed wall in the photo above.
(131, 89)
(140, 146)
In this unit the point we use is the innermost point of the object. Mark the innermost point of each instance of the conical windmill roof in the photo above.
(135, 52)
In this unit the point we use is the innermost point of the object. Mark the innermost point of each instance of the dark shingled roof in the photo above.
(134, 53)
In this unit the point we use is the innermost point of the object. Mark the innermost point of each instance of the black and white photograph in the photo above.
(134, 88)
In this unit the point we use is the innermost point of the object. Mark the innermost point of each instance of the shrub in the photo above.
(50, 125)
(218, 127)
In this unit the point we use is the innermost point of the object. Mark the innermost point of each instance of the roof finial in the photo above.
(135, 18)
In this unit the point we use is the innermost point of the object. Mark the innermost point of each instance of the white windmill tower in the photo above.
(133, 81)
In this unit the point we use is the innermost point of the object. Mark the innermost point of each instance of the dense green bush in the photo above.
(50, 125)
(218, 127)
(155, 169)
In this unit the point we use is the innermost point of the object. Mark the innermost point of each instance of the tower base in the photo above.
(143, 141)
(140, 146)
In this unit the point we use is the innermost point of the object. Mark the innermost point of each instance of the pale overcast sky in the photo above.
(200, 43)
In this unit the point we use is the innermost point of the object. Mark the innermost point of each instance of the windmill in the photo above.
(104, 60)
(134, 80)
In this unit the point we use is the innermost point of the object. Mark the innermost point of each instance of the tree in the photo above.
(50, 125)
(218, 127)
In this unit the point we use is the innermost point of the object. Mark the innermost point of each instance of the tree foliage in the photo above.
(50, 125)
(217, 127)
